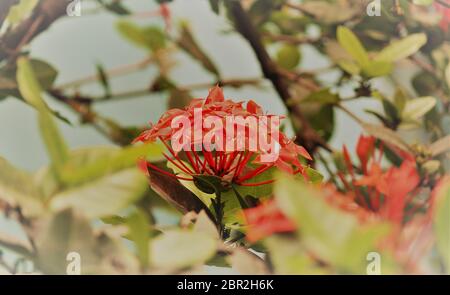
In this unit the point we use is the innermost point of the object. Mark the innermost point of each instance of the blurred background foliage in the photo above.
(76, 91)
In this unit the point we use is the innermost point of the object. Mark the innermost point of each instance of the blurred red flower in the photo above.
(445, 11)
(265, 220)
(382, 191)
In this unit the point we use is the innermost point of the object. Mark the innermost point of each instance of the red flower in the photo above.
(164, 11)
(396, 184)
(385, 192)
(445, 21)
(265, 220)
(364, 149)
(232, 165)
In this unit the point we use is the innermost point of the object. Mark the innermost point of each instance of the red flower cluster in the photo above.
(236, 166)
(265, 220)
(384, 192)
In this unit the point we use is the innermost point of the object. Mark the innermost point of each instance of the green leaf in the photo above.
(31, 91)
(441, 223)
(56, 146)
(258, 191)
(18, 12)
(260, 10)
(151, 38)
(352, 45)
(87, 164)
(390, 110)
(402, 48)
(400, 100)
(247, 263)
(215, 5)
(28, 84)
(332, 235)
(187, 42)
(103, 77)
(68, 231)
(289, 257)
(440, 146)
(209, 184)
(17, 188)
(105, 196)
(204, 224)
(232, 210)
(323, 96)
(417, 108)
(288, 57)
(314, 175)
(203, 196)
(116, 7)
(45, 73)
(377, 68)
(179, 249)
(321, 118)
(387, 135)
(349, 66)
(138, 230)
(330, 13)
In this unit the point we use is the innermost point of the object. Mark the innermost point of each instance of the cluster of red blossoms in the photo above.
(238, 166)
(370, 193)
(388, 193)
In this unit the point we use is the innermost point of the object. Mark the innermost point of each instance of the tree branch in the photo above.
(5, 5)
(307, 136)
(443, 3)
(45, 13)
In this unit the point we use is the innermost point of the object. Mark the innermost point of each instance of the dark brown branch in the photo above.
(307, 136)
(443, 3)
(45, 13)
(82, 106)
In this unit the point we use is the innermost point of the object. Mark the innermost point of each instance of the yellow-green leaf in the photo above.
(288, 57)
(416, 108)
(402, 48)
(377, 68)
(179, 249)
(31, 91)
(17, 188)
(105, 196)
(87, 164)
(348, 40)
(138, 229)
(331, 234)
(441, 223)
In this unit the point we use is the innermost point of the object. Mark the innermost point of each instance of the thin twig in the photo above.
(295, 40)
(118, 71)
(307, 136)
(146, 91)
(443, 3)
(350, 113)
